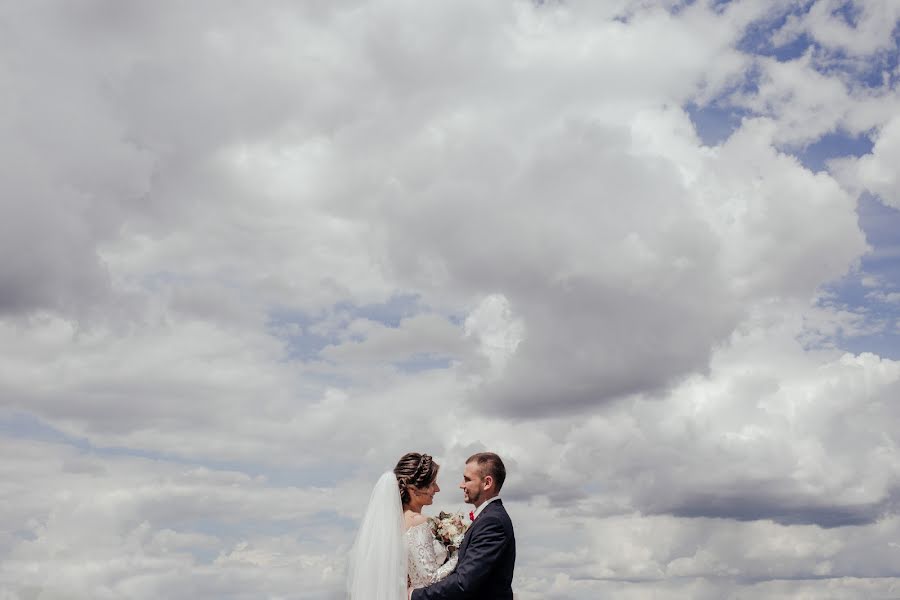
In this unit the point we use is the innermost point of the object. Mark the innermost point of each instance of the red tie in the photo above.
(471, 515)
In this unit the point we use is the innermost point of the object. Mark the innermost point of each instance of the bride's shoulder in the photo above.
(415, 520)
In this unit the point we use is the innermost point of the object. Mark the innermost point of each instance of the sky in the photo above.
(646, 250)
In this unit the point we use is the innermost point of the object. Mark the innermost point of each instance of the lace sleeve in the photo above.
(446, 568)
(427, 557)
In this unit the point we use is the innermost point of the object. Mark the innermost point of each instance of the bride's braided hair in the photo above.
(417, 470)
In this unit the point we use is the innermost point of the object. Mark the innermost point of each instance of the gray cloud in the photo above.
(193, 194)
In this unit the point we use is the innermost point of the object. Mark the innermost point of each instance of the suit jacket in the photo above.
(487, 557)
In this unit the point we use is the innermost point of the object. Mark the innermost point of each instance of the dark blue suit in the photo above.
(487, 557)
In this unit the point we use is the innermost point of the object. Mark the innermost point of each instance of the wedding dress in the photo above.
(384, 558)
(427, 557)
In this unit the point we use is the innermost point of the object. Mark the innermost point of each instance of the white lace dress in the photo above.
(427, 557)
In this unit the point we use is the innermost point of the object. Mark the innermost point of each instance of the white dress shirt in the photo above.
(478, 510)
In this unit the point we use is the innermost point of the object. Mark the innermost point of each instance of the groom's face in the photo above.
(472, 484)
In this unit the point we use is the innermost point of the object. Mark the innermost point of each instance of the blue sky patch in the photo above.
(423, 362)
(18, 424)
(833, 145)
(24, 425)
(714, 123)
(305, 335)
(757, 38)
(793, 49)
(869, 290)
(388, 313)
(849, 12)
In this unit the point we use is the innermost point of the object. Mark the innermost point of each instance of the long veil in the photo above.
(377, 567)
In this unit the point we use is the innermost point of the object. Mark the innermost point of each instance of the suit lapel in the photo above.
(465, 542)
(470, 530)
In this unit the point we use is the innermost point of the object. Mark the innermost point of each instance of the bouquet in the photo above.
(449, 529)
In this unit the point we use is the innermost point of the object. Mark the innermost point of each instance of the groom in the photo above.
(487, 554)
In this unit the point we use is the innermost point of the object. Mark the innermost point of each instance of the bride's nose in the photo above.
(437, 488)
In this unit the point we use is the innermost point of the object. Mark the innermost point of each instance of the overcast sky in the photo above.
(646, 250)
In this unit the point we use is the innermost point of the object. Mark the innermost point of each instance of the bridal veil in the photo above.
(377, 567)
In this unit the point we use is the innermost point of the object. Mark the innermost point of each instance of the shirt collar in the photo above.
(486, 502)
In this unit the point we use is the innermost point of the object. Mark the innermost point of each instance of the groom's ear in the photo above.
(488, 481)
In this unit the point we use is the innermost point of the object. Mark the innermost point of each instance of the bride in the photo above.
(395, 546)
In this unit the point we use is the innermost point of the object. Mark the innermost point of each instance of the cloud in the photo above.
(250, 255)
(857, 28)
(84, 525)
(693, 266)
(872, 171)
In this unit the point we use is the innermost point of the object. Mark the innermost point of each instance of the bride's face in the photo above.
(425, 496)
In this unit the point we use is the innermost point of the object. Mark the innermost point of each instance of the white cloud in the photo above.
(84, 525)
(273, 248)
(876, 172)
(497, 329)
(858, 27)
(888, 297)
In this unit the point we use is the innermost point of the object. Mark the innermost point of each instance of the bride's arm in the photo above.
(446, 568)
(425, 560)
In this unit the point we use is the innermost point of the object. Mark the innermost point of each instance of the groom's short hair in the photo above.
(490, 464)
